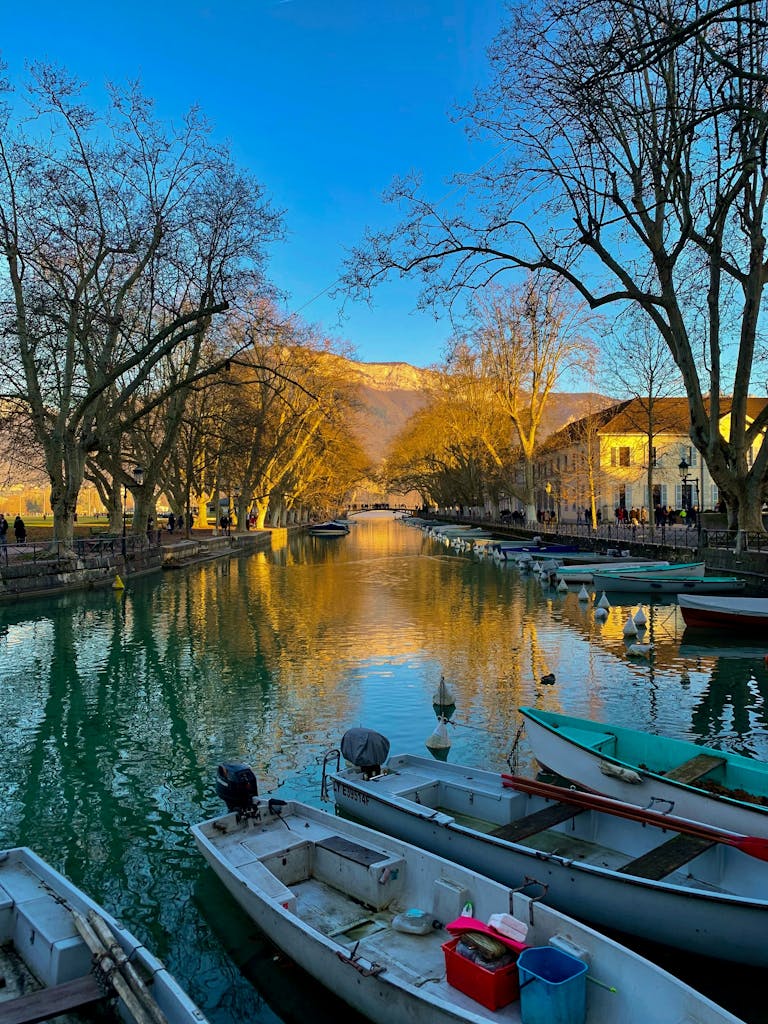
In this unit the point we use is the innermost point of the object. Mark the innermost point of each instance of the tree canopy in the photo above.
(632, 162)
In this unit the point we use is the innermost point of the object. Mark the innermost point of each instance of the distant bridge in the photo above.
(356, 510)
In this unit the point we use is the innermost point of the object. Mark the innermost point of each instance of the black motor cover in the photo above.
(365, 749)
(236, 785)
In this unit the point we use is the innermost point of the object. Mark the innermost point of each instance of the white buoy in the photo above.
(438, 743)
(601, 614)
(630, 629)
(562, 586)
(603, 602)
(443, 695)
(640, 619)
(640, 650)
(583, 593)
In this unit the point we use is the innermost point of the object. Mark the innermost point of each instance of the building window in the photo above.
(689, 453)
(621, 456)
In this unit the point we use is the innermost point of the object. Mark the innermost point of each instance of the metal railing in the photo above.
(55, 551)
(618, 535)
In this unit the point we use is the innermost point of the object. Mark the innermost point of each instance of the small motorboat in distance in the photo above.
(332, 528)
(61, 953)
(693, 781)
(733, 613)
(403, 935)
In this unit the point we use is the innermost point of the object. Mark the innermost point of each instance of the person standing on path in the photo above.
(3, 530)
(19, 530)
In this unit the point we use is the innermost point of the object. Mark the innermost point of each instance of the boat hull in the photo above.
(592, 746)
(37, 922)
(328, 530)
(370, 969)
(661, 583)
(741, 614)
(701, 921)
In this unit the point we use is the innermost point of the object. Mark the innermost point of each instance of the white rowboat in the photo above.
(365, 914)
(62, 953)
(641, 879)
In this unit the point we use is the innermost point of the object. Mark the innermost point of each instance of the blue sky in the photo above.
(324, 100)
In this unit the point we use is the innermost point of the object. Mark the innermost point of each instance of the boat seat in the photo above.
(355, 852)
(539, 821)
(263, 878)
(373, 878)
(658, 863)
(695, 769)
(589, 738)
(50, 1002)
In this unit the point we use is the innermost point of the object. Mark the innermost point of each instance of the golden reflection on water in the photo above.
(118, 706)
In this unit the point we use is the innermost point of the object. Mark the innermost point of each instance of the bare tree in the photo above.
(121, 241)
(640, 365)
(524, 341)
(632, 163)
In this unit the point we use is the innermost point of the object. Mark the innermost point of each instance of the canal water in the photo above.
(118, 706)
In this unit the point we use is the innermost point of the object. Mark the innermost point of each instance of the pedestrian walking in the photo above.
(19, 530)
(3, 530)
(171, 522)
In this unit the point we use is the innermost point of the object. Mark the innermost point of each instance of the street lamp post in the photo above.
(684, 477)
(138, 476)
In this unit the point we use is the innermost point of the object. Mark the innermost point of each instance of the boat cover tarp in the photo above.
(364, 747)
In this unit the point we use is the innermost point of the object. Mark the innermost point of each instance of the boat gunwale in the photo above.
(396, 803)
(739, 760)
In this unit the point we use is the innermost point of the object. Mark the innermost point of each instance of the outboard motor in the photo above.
(365, 749)
(237, 786)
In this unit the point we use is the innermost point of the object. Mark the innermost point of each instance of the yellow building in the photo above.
(608, 454)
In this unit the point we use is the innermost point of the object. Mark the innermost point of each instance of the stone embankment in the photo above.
(30, 571)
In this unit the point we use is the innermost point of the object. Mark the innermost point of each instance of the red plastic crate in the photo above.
(493, 989)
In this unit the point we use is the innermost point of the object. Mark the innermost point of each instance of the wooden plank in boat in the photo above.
(539, 821)
(50, 1002)
(668, 857)
(696, 768)
(350, 851)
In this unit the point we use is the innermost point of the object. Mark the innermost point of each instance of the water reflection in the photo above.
(117, 707)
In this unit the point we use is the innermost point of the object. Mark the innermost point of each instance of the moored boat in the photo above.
(662, 581)
(381, 923)
(584, 573)
(332, 528)
(61, 953)
(733, 613)
(692, 781)
(652, 881)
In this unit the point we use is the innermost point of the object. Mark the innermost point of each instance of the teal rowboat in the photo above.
(678, 777)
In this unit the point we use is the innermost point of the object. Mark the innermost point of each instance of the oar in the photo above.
(754, 846)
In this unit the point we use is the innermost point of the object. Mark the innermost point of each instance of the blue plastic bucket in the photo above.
(553, 987)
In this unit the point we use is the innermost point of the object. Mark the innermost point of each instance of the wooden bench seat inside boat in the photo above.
(695, 769)
(658, 863)
(50, 1002)
(539, 821)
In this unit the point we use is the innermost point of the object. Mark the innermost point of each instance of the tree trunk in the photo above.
(201, 519)
(531, 512)
(261, 506)
(66, 478)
